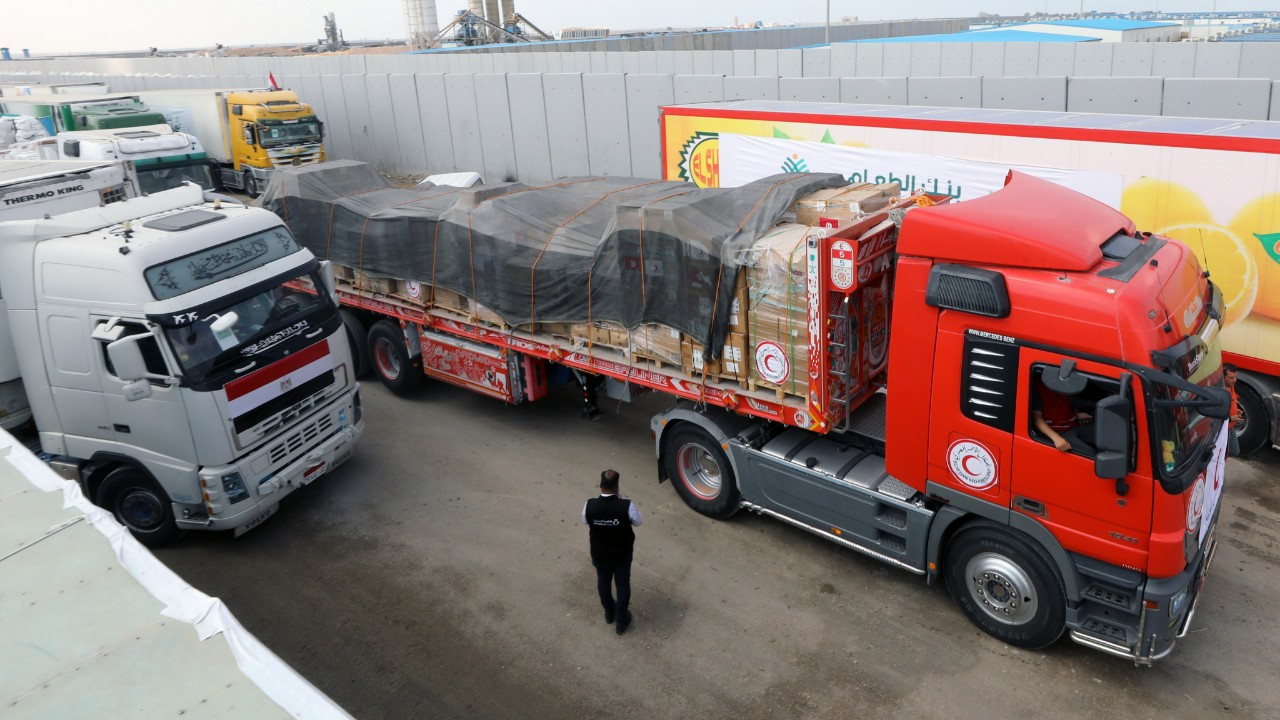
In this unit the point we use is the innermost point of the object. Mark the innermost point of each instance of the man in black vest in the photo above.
(610, 519)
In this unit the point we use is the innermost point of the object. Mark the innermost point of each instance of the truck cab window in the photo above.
(1066, 421)
(150, 351)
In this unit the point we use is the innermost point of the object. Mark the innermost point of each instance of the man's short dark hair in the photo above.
(1228, 367)
(609, 480)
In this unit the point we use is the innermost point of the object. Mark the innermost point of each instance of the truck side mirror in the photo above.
(126, 359)
(326, 276)
(1216, 403)
(1063, 379)
(1113, 419)
(71, 148)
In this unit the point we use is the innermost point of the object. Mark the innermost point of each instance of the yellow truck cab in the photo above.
(248, 133)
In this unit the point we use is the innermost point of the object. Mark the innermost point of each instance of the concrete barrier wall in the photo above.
(536, 124)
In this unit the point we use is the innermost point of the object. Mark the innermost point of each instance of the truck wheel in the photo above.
(390, 358)
(1256, 429)
(250, 184)
(700, 472)
(358, 338)
(1006, 586)
(138, 505)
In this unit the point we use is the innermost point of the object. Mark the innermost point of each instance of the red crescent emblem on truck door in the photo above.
(973, 464)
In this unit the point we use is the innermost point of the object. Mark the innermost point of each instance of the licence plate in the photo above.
(256, 521)
(314, 472)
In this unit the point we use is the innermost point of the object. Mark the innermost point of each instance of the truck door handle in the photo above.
(246, 367)
(1034, 507)
(314, 333)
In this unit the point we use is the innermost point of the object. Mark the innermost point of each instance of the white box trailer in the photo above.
(1213, 184)
(35, 189)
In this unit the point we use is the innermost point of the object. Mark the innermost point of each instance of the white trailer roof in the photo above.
(13, 172)
(93, 626)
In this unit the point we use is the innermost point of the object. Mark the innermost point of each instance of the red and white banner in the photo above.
(246, 394)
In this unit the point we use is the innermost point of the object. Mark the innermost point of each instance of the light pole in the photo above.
(826, 36)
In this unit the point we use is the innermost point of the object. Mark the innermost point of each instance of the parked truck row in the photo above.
(215, 138)
(934, 332)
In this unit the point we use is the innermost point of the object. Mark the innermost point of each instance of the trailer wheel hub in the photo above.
(699, 471)
(1001, 588)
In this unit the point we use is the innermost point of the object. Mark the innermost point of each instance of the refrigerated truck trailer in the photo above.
(941, 471)
(161, 158)
(169, 369)
(1213, 184)
(247, 133)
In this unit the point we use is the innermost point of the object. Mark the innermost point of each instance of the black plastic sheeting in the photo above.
(627, 250)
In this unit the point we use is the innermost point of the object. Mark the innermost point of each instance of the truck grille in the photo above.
(286, 162)
(300, 439)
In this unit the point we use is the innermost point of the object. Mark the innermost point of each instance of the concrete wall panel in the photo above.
(945, 92)
(751, 88)
(897, 59)
(722, 62)
(464, 124)
(926, 60)
(988, 59)
(1056, 59)
(1260, 59)
(529, 127)
(874, 91)
(382, 123)
(437, 132)
(1174, 60)
(817, 62)
(1218, 98)
(566, 124)
(767, 62)
(1131, 96)
(844, 59)
(494, 109)
(744, 62)
(703, 63)
(645, 94)
(404, 102)
(360, 124)
(809, 89)
(1030, 93)
(790, 63)
(1022, 59)
(1219, 60)
(608, 137)
(870, 60)
(698, 88)
(1132, 59)
(1093, 59)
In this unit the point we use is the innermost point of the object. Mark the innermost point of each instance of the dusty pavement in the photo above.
(441, 574)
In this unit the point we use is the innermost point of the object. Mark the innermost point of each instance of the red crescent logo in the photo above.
(964, 463)
(769, 362)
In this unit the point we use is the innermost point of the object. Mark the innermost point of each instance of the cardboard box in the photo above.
(609, 334)
(450, 300)
(735, 358)
(658, 342)
(344, 272)
(485, 315)
(891, 190)
(839, 204)
(371, 283)
(738, 319)
(694, 360)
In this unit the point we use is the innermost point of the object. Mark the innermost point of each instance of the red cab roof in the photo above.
(1029, 222)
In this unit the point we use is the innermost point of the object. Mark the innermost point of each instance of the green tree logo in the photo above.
(795, 164)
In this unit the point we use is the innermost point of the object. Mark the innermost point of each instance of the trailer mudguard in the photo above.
(721, 424)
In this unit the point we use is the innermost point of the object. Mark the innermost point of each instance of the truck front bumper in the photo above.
(1168, 606)
(317, 461)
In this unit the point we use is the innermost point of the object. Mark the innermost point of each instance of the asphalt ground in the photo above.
(442, 573)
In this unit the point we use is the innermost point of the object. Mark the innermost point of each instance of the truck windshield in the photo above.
(155, 178)
(1183, 433)
(279, 135)
(263, 320)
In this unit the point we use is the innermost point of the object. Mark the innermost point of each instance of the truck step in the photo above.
(868, 419)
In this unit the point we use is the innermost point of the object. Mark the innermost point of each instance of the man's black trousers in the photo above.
(608, 574)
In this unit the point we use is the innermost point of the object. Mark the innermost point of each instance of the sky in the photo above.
(101, 25)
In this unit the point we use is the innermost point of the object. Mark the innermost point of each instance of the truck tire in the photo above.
(1255, 432)
(358, 338)
(700, 472)
(390, 358)
(1006, 586)
(138, 504)
(250, 184)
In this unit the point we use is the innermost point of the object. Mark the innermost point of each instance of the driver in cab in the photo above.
(1058, 420)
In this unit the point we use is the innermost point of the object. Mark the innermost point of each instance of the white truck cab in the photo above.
(169, 367)
(162, 158)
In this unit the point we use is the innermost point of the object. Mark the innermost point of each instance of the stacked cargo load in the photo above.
(712, 283)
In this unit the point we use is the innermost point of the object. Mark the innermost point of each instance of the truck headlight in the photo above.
(233, 487)
(1176, 603)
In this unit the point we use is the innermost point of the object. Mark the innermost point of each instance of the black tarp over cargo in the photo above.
(627, 250)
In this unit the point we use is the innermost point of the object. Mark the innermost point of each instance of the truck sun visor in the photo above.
(582, 249)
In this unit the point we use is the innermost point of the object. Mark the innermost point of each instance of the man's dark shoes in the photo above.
(624, 620)
(608, 616)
